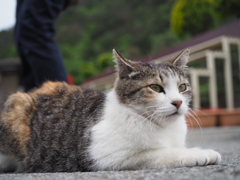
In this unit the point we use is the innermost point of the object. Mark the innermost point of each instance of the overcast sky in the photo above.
(7, 14)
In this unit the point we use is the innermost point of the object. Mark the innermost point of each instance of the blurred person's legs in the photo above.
(34, 31)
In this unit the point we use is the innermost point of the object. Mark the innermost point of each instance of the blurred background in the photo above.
(143, 30)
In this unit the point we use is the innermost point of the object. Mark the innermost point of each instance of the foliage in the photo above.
(193, 17)
(161, 41)
(87, 33)
(228, 8)
(7, 49)
(105, 60)
(196, 16)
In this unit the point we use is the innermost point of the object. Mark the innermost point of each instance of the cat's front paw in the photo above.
(214, 157)
(198, 157)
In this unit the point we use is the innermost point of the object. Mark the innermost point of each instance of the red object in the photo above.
(70, 79)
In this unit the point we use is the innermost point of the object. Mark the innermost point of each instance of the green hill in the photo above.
(87, 33)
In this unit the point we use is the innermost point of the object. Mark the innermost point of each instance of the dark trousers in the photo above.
(38, 51)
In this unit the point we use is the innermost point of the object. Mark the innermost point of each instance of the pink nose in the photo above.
(177, 104)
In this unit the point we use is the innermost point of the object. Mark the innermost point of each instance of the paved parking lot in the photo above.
(224, 140)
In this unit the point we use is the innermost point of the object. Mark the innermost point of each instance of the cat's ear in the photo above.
(182, 59)
(123, 65)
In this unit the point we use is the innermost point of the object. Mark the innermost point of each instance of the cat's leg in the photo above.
(8, 163)
(172, 157)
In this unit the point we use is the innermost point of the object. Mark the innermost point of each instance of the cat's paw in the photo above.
(214, 157)
(198, 157)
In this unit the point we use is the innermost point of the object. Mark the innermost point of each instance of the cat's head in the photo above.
(159, 91)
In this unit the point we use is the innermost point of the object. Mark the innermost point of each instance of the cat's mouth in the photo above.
(175, 113)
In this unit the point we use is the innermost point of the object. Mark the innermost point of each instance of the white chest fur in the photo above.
(122, 133)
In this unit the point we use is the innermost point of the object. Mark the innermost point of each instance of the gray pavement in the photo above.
(224, 140)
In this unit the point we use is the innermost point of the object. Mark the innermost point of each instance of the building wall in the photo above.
(9, 80)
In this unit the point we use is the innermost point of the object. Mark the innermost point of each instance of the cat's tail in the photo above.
(8, 164)
(10, 154)
(9, 150)
(15, 130)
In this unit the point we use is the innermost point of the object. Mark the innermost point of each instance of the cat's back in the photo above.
(60, 100)
(51, 125)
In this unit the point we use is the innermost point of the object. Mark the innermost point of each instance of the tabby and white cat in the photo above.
(140, 124)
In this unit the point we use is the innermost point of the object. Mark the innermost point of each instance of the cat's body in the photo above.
(58, 130)
(140, 124)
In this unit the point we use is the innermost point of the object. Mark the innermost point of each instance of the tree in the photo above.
(87, 33)
(228, 8)
(193, 16)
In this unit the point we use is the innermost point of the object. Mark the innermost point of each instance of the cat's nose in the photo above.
(177, 104)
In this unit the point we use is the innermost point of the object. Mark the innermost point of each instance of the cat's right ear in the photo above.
(123, 65)
(182, 59)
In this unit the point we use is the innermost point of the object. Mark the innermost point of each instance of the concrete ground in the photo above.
(224, 140)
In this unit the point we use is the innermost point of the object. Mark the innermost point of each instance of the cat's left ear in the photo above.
(182, 59)
(123, 66)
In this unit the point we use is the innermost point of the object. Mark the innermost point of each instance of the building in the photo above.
(9, 78)
(214, 68)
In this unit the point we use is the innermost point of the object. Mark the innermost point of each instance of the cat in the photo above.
(139, 124)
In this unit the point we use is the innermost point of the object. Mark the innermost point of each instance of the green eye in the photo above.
(156, 88)
(182, 87)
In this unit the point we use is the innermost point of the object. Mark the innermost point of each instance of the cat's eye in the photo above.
(156, 88)
(182, 87)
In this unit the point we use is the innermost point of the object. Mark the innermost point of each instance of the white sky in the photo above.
(7, 14)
